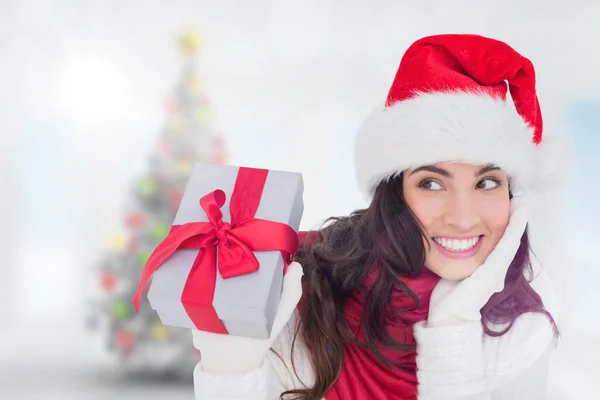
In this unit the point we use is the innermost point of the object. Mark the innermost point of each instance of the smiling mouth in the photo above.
(458, 245)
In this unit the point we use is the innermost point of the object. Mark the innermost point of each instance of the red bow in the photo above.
(231, 244)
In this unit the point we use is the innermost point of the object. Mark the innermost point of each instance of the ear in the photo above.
(554, 161)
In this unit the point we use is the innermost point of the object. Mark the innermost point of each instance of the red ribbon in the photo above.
(232, 244)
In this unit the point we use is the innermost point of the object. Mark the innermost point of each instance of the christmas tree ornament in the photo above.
(143, 257)
(202, 115)
(175, 123)
(118, 243)
(194, 86)
(108, 281)
(175, 196)
(171, 106)
(160, 231)
(190, 44)
(183, 167)
(218, 156)
(203, 101)
(134, 244)
(124, 340)
(135, 220)
(166, 147)
(148, 186)
(121, 310)
(159, 332)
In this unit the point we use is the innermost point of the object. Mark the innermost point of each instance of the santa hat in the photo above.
(448, 103)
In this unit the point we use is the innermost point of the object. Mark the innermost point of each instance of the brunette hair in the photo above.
(337, 259)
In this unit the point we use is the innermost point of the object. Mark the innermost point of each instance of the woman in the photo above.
(426, 294)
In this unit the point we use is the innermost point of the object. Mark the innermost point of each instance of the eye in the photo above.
(429, 184)
(488, 184)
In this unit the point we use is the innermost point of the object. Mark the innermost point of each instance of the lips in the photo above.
(464, 247)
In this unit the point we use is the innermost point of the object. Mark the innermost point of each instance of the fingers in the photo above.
(290, 296)
(518, 204)
(294, 272)
(491, 274)
(207, 341)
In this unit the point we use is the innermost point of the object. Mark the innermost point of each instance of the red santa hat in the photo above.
(448, 103)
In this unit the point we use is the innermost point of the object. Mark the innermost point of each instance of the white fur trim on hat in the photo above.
(464, 127)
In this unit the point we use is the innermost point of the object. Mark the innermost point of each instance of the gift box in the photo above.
(221, 267)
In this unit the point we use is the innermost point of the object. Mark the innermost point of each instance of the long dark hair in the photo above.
(387, 236)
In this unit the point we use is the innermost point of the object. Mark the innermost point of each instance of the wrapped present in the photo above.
(221, 267)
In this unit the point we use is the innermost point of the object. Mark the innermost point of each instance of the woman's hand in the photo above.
(229, 354)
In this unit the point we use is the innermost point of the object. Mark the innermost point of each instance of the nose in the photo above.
(461, 212)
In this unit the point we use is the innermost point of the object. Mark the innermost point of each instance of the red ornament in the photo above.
(171, 106)
(203, 100)
(133, 245)
(125, 341)
(175, 196)
(135, 220)
(218, 157)
(108, 281)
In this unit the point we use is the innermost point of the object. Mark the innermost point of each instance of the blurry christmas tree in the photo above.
(142, 344)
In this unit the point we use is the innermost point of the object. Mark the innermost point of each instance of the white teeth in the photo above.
(456, 244)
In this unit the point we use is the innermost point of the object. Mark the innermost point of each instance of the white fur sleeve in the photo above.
(451, 362)
(253, 385)
(531, 385)
(275, 376)
(454, 363)
(509, 356)
(292, 369)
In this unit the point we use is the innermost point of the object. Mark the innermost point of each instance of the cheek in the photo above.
(425, 214)
(495, 216)
(423, 208)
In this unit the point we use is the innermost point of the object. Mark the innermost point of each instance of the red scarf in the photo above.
(363, 376)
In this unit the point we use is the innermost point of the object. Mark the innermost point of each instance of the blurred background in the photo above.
(105, 104)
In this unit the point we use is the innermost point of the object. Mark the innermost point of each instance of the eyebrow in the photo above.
(445, 173)
(434, 169)
(487, 168)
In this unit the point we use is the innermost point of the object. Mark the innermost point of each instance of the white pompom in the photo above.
(554, 161)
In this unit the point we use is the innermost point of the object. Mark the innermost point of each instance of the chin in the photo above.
(453, 270)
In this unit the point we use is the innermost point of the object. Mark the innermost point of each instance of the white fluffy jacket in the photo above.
(515, 364)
